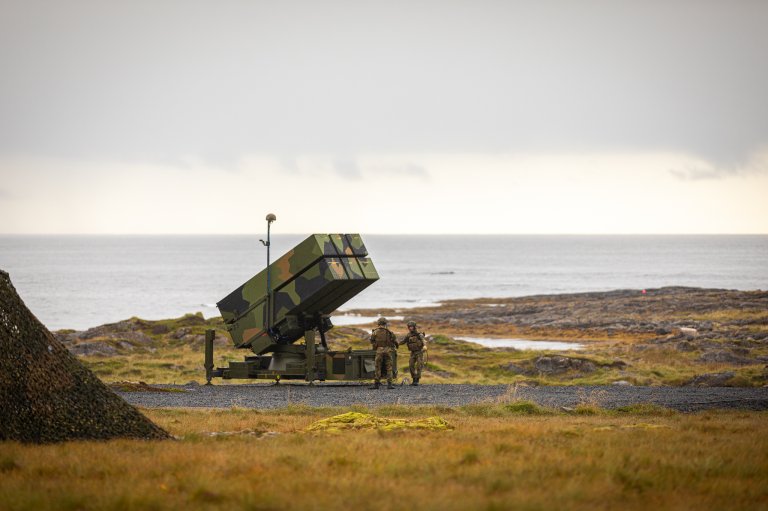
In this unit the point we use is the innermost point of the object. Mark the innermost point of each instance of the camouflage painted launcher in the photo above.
(308, 282)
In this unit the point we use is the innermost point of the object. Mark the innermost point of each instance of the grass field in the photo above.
(512, 455)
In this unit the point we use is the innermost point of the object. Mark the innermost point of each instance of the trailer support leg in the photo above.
(210, 335)
(309, 339)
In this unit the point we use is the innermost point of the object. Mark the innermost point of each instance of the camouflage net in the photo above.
(46, 394)
(356, 420)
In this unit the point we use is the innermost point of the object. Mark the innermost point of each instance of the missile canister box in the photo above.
(311, 280)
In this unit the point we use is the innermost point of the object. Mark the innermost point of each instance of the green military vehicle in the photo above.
(292, 299)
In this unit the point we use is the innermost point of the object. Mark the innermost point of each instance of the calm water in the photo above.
(83, 281)
(523, 344)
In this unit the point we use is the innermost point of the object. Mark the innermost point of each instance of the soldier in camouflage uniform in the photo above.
(417, 347)
(383, 341)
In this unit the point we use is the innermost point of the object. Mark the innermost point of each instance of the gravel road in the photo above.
(266, 396)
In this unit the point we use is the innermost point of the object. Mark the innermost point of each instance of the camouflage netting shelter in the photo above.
(46, 394)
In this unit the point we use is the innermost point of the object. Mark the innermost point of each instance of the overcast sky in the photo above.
(384, 117)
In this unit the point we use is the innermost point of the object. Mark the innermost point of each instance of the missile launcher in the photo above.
(292, 299)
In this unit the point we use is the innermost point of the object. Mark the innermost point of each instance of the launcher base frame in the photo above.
(309, 362)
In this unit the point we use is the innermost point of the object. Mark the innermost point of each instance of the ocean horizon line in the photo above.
(73, 281)
(9, 235)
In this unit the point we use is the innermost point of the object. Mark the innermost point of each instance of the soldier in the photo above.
(383, 341)
(417, 347)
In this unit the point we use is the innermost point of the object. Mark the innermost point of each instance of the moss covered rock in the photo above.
(356, 420)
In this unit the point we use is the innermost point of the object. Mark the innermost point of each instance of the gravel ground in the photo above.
(264, 396)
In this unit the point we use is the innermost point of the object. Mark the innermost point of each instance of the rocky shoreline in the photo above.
(653, 313)
(712, 327)
(667, 336)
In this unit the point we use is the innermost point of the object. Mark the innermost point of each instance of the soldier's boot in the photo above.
(375, 386)
(389, 385)
(415, 382)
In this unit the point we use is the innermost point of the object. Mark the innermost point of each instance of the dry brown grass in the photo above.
(641, 459)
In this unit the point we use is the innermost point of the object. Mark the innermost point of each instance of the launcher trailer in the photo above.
(292, 299)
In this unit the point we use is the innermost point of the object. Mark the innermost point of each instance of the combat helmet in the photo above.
(382, 321)
(411, 324)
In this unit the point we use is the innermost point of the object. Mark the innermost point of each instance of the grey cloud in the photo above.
(699, 174)
(226, 80)
(348, 169)
(5, 195)
(408, 170)
(289, 165)
(756, 164)
(414, 171)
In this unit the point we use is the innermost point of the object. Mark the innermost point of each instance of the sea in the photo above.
(79, 282)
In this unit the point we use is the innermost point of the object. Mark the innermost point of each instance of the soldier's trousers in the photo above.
(383, 358)
(415, 364)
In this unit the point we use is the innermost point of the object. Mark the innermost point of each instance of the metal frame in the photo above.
(314, 362)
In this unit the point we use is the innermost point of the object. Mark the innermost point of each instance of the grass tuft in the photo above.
(8, 465)
(469, 458)
(526, 408)
(588, 409)
(651, 409)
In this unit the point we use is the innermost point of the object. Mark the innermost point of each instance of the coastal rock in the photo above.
(196, 341)
(725, 357)
(221, 340)
(559, 364)
(160, 329)
(192, 319)
(516, 369)
(181, 332)
(124, 331)
(135, 338)
(710, 379)
(129, 330)
(90, 349)
(66, 337)
(685, 346)
(618, 313)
